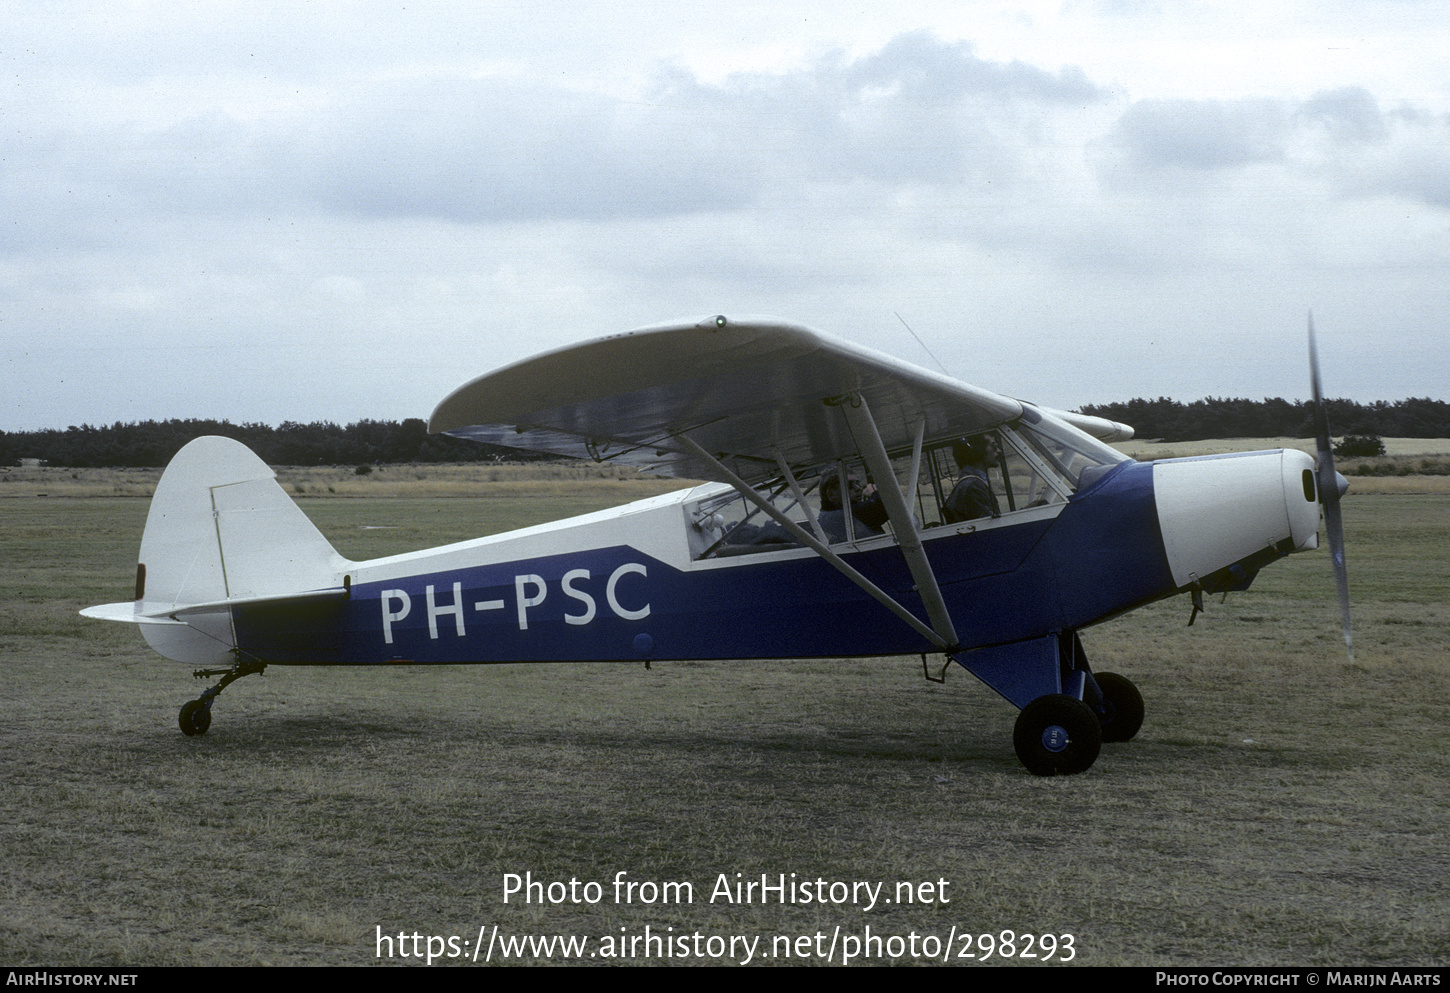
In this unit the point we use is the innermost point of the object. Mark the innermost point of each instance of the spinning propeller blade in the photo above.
(1331, 486)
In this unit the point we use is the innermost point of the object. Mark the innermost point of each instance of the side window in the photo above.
(723, 523)
(986, 475)
(975, 478)
(933, 484)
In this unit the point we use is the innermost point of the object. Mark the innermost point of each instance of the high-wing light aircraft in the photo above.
(765, 560)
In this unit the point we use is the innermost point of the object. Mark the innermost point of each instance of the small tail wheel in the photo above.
(195, 718)
(1122, 714)
(1057, 735)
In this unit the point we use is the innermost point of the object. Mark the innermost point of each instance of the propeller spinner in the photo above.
(1331, 487)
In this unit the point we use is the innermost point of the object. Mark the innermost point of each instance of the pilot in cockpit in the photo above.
(972, 497)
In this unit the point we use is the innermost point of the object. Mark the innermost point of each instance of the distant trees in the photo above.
(153, 443)
(1222, 417)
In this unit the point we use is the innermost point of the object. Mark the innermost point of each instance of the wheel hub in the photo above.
(1055, 738)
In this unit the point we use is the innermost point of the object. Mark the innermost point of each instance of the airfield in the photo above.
(1281, 805)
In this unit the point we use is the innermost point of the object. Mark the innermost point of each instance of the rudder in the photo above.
(221, 528)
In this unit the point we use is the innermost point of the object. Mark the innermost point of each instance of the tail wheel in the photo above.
(1057, 735)
(1122, 714)
(195, 718)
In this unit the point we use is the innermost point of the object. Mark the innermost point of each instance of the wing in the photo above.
(743, 389)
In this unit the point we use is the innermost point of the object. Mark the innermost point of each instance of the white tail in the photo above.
(220, 530)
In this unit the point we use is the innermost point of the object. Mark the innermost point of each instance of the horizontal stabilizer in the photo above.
(126, 612)
(151, 612)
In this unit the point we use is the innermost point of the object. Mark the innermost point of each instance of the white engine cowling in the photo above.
(1217, 510)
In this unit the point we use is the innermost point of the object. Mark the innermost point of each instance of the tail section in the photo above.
(220, 531)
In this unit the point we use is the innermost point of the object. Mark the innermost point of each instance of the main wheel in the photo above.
(1122, 707)
(1057, 735)
(195, 718)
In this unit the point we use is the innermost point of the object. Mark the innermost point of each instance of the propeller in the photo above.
(1331, 487)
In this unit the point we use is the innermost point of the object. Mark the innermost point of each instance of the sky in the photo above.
(330, 211)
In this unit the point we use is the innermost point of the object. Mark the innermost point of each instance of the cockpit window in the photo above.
(1012, 468)
(987, 475)
(1034, 462)
(723, 523)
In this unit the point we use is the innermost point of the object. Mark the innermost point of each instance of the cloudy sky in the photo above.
(332, 211)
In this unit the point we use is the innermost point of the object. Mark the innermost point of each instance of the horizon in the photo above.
(380, 420)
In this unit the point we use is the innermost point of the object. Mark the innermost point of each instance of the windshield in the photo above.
(1079, 456)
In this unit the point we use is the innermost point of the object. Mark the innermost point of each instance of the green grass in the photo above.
(1281, 805)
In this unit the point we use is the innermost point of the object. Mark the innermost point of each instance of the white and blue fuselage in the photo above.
(622, 584)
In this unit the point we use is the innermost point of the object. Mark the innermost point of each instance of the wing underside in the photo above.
(749, 391)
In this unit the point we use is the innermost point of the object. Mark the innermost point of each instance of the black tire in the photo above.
(195, 718)
(1122, 714)
(1057, 735)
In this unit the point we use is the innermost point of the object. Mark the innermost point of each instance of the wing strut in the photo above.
(868, 439)
(915, 480)
(815, 544)
(795, 489)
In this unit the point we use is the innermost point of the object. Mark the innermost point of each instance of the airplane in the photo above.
(762, 560)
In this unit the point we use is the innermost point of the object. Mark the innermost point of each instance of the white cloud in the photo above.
(1200, 134)
(333, 216)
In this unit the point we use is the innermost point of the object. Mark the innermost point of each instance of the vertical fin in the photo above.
(220, 526)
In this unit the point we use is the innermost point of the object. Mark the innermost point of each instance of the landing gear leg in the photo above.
(195, 716)
(1113, 698)
(1067, 712)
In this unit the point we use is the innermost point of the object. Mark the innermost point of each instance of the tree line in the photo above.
(153, 443)
(1221, 417)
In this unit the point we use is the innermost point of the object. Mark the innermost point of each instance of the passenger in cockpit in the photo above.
(866, 508)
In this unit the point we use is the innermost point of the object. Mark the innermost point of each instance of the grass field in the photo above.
(1281, 805)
